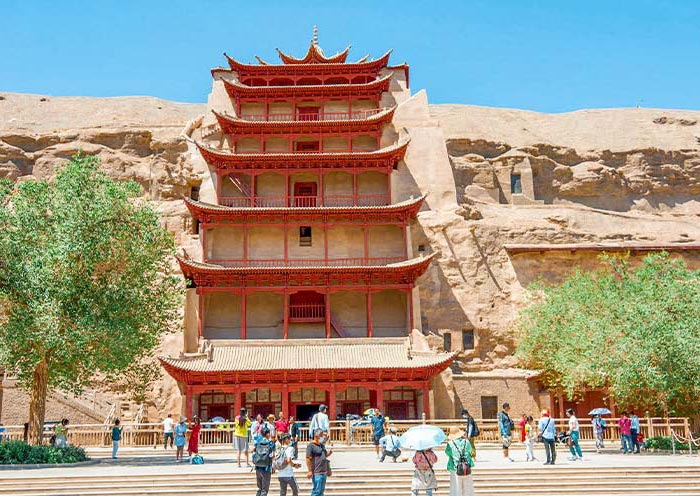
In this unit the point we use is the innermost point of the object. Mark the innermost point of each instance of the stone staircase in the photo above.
(559, 481)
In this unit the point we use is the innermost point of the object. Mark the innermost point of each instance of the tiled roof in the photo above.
(236, 88)
(363, 65)
(315, 55)
(222, 209)
(310, 354)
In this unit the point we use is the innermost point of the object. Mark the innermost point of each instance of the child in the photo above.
(530, 436)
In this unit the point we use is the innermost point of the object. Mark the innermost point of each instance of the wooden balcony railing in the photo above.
(320, 116)
(306, 201)
(307, 312)
(307, 262)
(348, 432)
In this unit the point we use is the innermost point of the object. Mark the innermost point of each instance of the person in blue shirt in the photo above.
(548, 430)
(634, 432)
(505, 426)
(378, 421)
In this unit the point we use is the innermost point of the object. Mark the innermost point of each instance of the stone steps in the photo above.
(661, 481)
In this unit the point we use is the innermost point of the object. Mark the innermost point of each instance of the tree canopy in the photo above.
(634, 331)
(86, 283)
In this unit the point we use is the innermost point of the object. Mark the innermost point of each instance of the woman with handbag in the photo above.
(424, 478)
(459, 463)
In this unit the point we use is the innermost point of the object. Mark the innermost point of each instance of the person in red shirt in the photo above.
(625, 433)
(522, 424)
(281, 424)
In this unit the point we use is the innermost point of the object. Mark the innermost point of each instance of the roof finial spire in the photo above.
(314, 39)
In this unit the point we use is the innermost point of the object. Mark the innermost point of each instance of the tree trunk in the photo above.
(37, 402)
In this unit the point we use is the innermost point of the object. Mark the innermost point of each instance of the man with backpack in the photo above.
(471, 429)
(262, 459)
(505, 426)
(284, 465)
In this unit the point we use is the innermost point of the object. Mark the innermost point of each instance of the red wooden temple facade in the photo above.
(304, 292)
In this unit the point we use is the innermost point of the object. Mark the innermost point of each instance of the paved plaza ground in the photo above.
(146, 461)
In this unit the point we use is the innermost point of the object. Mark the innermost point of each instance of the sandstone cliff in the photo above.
(597, 175)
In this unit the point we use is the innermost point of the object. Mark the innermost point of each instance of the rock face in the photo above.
(628, 175)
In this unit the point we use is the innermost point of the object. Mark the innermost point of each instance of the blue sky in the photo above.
(549, 56)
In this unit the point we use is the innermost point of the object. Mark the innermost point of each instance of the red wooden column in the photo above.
(245, 245)
(409, 295)
(200, 313)
(404, 227)
(252, 187)
(328, 313)
(322, 194)
(370, 326)
(426, 399)
(287, 178)
(354, 187)
(388, 187)
(285, 399)
(365, 235)
(244, 323)
(380, 396)
(325, 243)
(188, 401)
(237, 403)
(286, 242)
(286, 313)
(332, 403)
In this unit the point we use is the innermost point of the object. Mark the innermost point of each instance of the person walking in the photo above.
(598, 424)
(320, 420)
(521, 424)
(61, 433)
(168, 426)
(378, 423)
(317, 462)
(471, 429)
(241, 430)
(635, 429)
(262, 459)
(574, 435)
(530, 436)
(193, 444)
(459, 463)
(390, 445)
(548, 433)
(180, 432)
(284, 465)
(625, 433)
(116, 437)
(424, 478)
(294, 431)
(505, 426)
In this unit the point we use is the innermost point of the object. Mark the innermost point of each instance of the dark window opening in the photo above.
(489, 407)
(195, 226)
(308, 146)
(447, 341)
(467, 339)
(516, 185)
(194, 193)
(421, 248)
(305, 236)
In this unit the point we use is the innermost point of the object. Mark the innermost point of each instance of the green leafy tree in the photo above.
(634, 331)
(86, 283)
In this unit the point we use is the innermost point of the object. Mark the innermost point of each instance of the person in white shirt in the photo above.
(573, 432)
(284, 464)
(390, 445)
(168, 429)
(320, 421)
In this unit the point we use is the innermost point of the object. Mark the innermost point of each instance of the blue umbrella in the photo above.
(422, 437)
(600, 411)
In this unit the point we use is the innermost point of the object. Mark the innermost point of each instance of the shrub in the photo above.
(664, 443)
(18, 452)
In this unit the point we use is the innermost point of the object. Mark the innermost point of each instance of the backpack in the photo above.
(279, 461)
(262, 455)
(462, 467)
(197, 460)
(475, 428)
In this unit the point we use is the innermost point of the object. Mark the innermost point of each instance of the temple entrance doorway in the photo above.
(396, 410)
(219, 411)
(263, 409)
(305, 412)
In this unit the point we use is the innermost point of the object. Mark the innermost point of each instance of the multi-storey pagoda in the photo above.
(304, 291)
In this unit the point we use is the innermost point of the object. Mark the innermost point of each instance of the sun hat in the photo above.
(455, 433)
(183, 418)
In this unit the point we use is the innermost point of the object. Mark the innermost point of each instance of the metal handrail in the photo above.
(305, 262)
